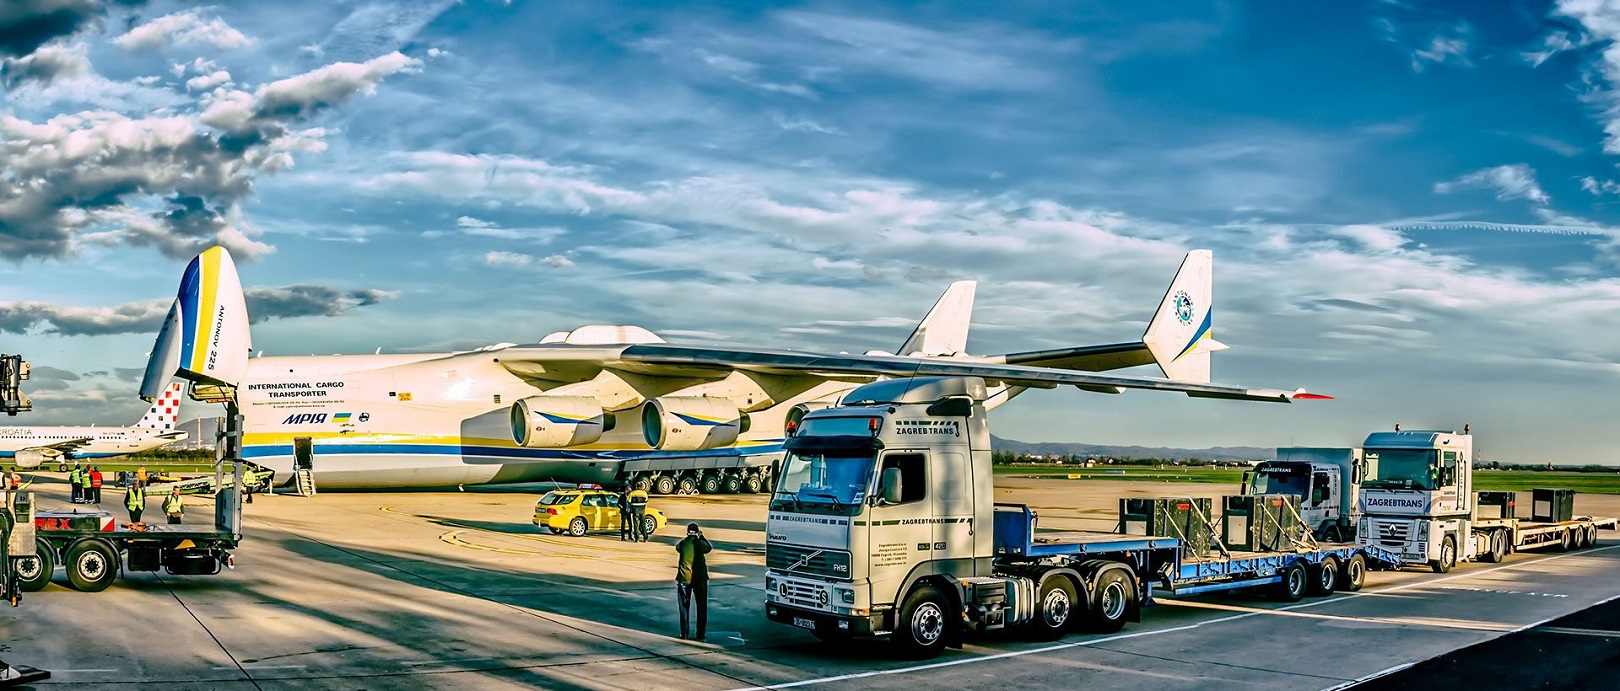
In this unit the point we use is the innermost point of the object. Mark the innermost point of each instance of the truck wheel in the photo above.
(919, 633)
(578, 527)
(753, 484)
(1111, 600)
(34, 573)
(91, 566)
(1499, 547)
(1355, 573)
(1056, 608)
(642, 482)
(663, 484)
(1591, 536)
(1295, 581)
(711, 484)
(1324, 577)
(688, 485)
(1566, 541)
(733, 483)
(1448, 556)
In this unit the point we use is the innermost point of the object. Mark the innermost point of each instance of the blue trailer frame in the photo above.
(1164, 559)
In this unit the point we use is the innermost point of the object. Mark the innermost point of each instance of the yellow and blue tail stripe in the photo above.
(1201, 334)
(199, 308)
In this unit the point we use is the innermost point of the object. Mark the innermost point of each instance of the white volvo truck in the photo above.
(884, 522)
(1418, 499)
(1326, 480)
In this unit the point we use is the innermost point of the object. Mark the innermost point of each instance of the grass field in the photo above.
(1516, 480)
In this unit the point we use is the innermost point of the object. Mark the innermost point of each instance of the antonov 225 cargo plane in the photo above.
(29, 447)
(607, 404)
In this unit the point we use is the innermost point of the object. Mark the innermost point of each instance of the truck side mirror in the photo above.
(889, 486)
(955, 406)
(1245, 487)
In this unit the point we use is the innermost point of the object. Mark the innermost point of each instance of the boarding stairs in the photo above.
(305, 478)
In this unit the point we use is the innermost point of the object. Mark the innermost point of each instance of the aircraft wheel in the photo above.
(733, 483)
(688, 484)
(711, 484)
(642, 482)
(753, 484)
(663, 484)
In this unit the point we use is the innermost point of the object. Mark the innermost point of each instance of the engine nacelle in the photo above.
(691, 423)
(554, 422)
(31, 458)
(795, 415)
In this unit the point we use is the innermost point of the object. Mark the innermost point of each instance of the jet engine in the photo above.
(554, 422)
(795, 415)
(31, 458)
(691, 423)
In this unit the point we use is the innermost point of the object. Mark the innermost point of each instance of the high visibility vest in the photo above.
(135, 499)
(95, 478)
(75, 476)
(638, 498)
(174, 504)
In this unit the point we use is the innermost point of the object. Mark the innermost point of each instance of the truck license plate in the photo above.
(804, 623)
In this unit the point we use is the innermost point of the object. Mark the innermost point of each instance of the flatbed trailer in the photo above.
(94, 547)
(1517, 534)
(1171, 568)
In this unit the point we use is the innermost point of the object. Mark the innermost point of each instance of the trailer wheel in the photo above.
(1325, 577)
(733, 483)
(1566, 541)
(1448, 556)
(1497, 549)
(578, 527)
(1355, 573)
(91, 566)
(1111, 599)
(663, 484)
(34, 573)
(753, 484)
(1591, 536)
(1056, 608)
(711, 484)
(919, 633)
(1295, 581)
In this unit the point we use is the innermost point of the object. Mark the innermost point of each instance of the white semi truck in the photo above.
(884, 523)
(1326, 480)
(1418, 499)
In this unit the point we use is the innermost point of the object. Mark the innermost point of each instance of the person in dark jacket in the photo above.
(692, 579)
(624, 515)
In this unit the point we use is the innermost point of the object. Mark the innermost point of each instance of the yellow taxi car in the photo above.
(579, 511)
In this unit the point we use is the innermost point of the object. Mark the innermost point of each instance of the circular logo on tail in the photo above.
(1184, 307)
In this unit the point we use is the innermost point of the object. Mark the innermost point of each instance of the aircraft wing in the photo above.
(64, 446)
(787, 362)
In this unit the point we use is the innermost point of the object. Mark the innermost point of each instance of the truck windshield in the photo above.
(1280, 481)
(1401, 469)
(823, 477)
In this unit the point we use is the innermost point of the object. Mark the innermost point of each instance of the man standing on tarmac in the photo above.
(638, 515)
(135, 501)
(95, 485)
(624, 515)
(692, 579)
(75, 479)
(174, 506)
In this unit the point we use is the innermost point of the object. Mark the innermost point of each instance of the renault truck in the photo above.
(884, 523)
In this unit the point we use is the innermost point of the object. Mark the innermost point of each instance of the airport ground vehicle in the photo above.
(884, 522)
(579, 511)
(1418, 499)
(94, 546)
(1327, 481)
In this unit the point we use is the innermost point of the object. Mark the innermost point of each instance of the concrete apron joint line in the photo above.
(1189, 627)
(239, 668)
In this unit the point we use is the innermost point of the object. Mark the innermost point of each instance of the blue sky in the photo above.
(1412, 205)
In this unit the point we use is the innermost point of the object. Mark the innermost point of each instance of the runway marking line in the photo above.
(1189, 627)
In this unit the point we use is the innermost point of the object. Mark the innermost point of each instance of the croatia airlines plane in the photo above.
(28, 447)
(606, 404)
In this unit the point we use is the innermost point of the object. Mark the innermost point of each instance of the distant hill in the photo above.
(1219, 453)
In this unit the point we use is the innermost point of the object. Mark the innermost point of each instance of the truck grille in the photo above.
(808, 561)
(1390, 533)
(806, 595)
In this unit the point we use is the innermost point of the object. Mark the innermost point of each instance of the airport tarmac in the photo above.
(459, 590)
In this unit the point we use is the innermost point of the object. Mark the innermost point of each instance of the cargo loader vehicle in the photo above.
(883, 523)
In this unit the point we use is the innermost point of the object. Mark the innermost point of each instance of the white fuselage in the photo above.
(435, 420)
(104, 442)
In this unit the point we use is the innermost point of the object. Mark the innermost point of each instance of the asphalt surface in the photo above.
(458, 590)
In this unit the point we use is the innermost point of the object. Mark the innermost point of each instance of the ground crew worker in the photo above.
(140, 475)
(76, 479)
(174, 505)
(135, 501)
(624, 515)
(95, 484)
(14, 479)
(638, 515)
(692, 579)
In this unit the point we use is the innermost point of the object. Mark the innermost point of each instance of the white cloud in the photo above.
(1601, 22)
(507, 259)
(1516, 181)
(208, 81)
(1599, 188)
(182, 29)
(1552, 44)
(48, 64)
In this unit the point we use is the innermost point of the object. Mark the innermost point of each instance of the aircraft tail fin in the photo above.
(1179, 336)
(165, 411)
(945, 330)
(205, 337)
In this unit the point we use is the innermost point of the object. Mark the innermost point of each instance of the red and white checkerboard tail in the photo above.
(165, 412)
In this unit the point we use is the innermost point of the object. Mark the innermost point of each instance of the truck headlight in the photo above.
(770, 584)
(848, 596)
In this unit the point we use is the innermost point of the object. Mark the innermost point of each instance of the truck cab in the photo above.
(1417, 495)
(876, 496)
(1326, 480)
